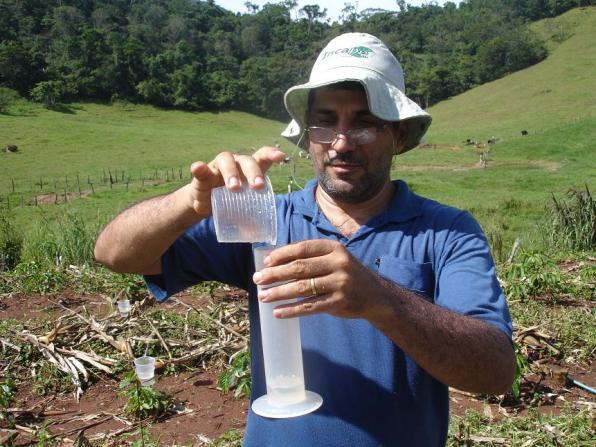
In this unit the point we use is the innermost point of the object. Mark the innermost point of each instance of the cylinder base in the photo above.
(263, 407)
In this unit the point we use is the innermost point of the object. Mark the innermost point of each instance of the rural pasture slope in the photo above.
(554, 101)
(558, 91)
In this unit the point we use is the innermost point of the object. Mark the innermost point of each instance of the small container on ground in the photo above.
(124, 308)
(145, 369)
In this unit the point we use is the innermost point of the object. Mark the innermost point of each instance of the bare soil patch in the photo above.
(202, 410)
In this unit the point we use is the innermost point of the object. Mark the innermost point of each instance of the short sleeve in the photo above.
(196, 256)
(466, 280)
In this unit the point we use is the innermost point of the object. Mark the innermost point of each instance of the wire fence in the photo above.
(42, 191)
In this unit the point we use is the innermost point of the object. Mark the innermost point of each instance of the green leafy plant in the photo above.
(49, 379)
(11, 242)
(63, 240)
(521, 366)
(231, 438)
(7, 393)
(144, 439)
(206, 287)
(43, 437)
(574, 220)
(532, 276)
(572, 428)
(143, 402)
(237, 376)
(34, 277)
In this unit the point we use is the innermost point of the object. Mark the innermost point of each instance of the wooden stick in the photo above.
(120, 345)
(156, 332)
(232, 331)
(10, 345)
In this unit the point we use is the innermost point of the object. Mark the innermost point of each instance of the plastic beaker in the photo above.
(123, 307)
(247, 215)
(282, 359)
(145, 369)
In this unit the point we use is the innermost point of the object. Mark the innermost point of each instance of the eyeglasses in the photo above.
(325, 135)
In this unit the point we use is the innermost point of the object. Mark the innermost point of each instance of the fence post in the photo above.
(12, 180)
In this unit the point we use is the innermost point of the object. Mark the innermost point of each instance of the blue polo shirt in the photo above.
(373, 393)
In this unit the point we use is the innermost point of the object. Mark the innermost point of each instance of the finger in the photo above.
(225, 163)
(251, 171)
(305, 307)
(204, 177)
(293, 289)
(296, 270)
(300, 250)
(267, 156)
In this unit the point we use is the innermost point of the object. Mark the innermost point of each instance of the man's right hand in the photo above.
(231, 170)
(135, 240)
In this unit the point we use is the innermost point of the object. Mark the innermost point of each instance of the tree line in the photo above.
(197, 55)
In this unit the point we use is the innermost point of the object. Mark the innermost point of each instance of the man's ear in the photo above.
(400, 132)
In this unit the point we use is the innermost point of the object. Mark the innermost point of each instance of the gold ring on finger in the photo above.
(313, 287)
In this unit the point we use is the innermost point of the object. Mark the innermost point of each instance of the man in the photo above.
(401, 301)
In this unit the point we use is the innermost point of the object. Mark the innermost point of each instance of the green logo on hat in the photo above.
(360, 52)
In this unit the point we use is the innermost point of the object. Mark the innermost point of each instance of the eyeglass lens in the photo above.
(357, 136)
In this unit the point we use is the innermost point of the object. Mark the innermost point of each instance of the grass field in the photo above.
(555, 101)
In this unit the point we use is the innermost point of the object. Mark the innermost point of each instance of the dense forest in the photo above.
(198, 56)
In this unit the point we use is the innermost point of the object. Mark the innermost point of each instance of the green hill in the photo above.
(559, 90)
(555, 101)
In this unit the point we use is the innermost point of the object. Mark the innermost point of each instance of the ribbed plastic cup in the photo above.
(247, 215)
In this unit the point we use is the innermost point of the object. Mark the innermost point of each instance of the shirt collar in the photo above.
(404, 206)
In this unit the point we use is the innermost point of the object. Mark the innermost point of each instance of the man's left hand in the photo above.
(329, 278)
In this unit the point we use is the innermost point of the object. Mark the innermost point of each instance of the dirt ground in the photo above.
(204, 412)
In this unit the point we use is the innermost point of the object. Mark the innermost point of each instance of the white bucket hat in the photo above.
(365, 59)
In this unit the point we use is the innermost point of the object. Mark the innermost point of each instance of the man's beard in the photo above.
(361, 188)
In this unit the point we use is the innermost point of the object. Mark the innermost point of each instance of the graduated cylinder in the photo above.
(282, 348)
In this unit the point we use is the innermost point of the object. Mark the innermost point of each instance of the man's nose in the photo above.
(342, 143)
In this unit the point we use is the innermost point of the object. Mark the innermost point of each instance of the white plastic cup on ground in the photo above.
(145, 369)
(247, 215)
(282, 358)
(123, 307)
